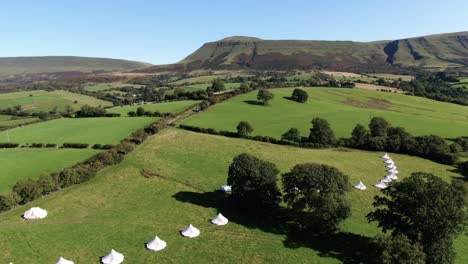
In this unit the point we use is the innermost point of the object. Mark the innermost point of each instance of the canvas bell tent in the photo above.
(35, 213)
(219, 220)
(190, 231)
(113, 257)
(156, 244)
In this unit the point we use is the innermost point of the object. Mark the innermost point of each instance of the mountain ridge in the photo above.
(438, 51)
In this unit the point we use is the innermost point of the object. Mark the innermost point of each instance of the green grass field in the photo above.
(78, 130)
(203, 86)
(36, 101)
(98, 88)
(8, 121)
(343, 108)
(120, 209)
(24, 163)
(388, 76)
(169, 107)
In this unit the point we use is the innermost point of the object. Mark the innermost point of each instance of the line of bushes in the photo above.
(28, 190)
(381, 136)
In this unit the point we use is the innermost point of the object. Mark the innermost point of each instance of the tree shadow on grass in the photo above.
(288, 98)
(346, 247)
(463, 175)
(253, 102)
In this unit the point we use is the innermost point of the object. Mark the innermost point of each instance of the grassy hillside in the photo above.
(27, 163)
(78, 130)
(50, 64)
(170, 107)
(121, 209)
(36, 101)
(434, 51)
(343, 108)
(8, 121)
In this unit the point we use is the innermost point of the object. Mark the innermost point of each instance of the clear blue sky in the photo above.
(162, 32)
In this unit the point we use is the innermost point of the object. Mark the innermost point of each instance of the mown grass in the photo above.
(204, 86)
(169, 107)
(121, 209)
(24, 163)
(36, 101)
(343, 108)
(78, 130)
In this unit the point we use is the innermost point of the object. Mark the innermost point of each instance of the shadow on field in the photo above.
(253, 102)
(346, 247)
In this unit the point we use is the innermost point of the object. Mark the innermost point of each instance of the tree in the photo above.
(321, 132)
(455, 148)
(319, 191)
(399, 250)
(244, 128)
(217, 85)
(28, 190)
(89, 111)
(254, 182)
(292, 134)
(9, 200)
(425, 209)
(378, 127)
(299, 95)
(359, 135)
(132, 113)
(264, 96)
(140, 111)
(244, 88)
(463, 167)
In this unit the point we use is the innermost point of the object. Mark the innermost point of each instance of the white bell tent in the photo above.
(226, 188)
(380, 185)
(219, 220)
(190, 231)
(156, 244)
(385, 156)
(360, 186)
(113, 257)
(35, 213)
(64, 261)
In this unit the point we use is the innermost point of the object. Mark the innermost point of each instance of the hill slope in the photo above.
(434, 51)
(50, 64)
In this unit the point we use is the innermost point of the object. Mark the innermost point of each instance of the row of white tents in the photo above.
(391, 175)
(115, 257)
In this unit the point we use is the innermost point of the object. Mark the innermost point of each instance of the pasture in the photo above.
(9, 121)
(120, 209)
(36, 101)
(78, 130)
(169, 107)
(23, 163)
(343, 108)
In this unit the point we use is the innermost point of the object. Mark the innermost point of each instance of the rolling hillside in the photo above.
(54, 64)
(433, 51)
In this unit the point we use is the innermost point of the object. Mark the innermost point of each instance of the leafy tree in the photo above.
(299, 95)
(319, 191)
(244, 128)
(9, 200)
(292, 134)
(89, 111)
(321, 132)
(398, 140)
(217, 85)
(28, 190)
(455, 148)
(132, 113)
(43, 116)
(463, 167)
(140, 111)
(359, 135)
(244, 88)
(264, 96)
(378, 127)
(425, 209)
(254, 182)
(399, 250)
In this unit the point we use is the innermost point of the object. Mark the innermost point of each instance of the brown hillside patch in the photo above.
(372, 103)
(375, 87)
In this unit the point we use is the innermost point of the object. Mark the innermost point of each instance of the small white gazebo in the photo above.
(391, 166)
(226, 188)
(394, 171)
(219, 220)
(156, 244)
(360, 186)
(389, 161)
(35, 213)
(380, 185)
(113, 257)
(64, 261)
(190, 231)
(391, 176)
